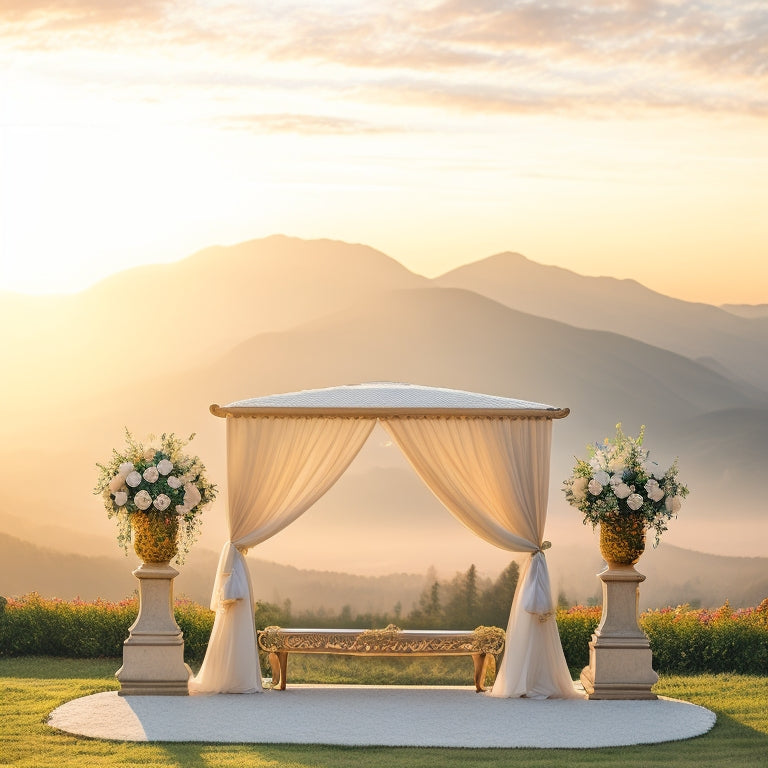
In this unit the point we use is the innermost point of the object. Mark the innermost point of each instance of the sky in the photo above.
(612, 137)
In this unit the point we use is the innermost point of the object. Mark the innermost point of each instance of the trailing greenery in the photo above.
(682, 639)
(31, 687)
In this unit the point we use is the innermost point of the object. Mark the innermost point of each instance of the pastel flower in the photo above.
(164, 467)
(133, 479)
(151, 474)
(181, 509)
(192, 496)
(634, 501)
(174, 481)
(121, 499)
(149, 454)
(622, 490)
(579, 489)
(654, 491)
(116, 483)
(602, 477)
(594, 487)
(142, 500)
(126, 468)
(673, 504)
(617, 477)
(162, 502)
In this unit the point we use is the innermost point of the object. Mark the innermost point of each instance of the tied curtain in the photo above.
(493, 475)
(277, 467)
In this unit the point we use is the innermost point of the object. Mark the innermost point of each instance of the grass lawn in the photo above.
(31, 687)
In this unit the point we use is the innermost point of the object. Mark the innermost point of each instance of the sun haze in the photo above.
(623, 138)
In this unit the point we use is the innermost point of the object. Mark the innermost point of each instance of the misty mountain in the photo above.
(738, 343)
(746, 310)
(281, 315)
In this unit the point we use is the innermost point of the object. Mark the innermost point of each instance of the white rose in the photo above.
(579, 489)
(126, 468)
(116, 483)
(162, 502)
(151, 474)
(602, 477)
(594, 487)
(192, 496)
(616, 477)
(673, 504)
(655, 493)
(181, 509)
(143, 500)
(133, 479)
(121, 499)
(634, 501)
(164, 466)
(622, 490)
(174, 481)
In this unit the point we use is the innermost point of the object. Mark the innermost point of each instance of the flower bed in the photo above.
(682, 639)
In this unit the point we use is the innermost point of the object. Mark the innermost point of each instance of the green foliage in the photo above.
(683, 639)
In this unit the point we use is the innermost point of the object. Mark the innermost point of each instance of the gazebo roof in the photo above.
(385, 398)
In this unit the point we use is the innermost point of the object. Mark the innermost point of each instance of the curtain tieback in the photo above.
(544, 546)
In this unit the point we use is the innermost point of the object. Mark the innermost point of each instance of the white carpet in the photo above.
(384, 716)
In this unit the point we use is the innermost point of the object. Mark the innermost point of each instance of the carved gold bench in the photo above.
(392, 641)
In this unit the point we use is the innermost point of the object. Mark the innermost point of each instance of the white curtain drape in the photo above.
(493, 475)
(277, 467)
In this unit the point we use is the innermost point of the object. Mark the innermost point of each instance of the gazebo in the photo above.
(486, 458)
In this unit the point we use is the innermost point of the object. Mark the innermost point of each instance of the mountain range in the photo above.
(152, 347)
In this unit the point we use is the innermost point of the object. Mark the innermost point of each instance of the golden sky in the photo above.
(615, 137)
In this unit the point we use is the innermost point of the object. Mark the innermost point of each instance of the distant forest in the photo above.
(465, 602)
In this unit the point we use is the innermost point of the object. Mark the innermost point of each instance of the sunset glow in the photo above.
(626, 138)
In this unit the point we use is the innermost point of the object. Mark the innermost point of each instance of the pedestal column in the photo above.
(153, 654)
(620, 661)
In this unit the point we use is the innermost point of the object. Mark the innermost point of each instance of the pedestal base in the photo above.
(153, 654)
(620, 659)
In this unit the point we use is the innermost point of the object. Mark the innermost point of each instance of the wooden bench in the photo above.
(392, 641)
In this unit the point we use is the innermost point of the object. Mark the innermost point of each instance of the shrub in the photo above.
(576, 626)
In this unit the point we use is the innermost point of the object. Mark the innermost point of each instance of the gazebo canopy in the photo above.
(386, 398)
(485, 457)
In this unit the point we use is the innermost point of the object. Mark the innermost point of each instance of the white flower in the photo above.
(151, 474)
(133, 479)
(622, 490)
(602, 477)
(143, 500)
(192, 496)
(149, 454)
(126, 468)
(594, 487)
(116, 483)
(121, 499)
(164, 466)
(616, 478)
(174, 481)
(673, 504)
(634, 501)
(181, 509)
(579, 489)
(654, 491)
(162, 502)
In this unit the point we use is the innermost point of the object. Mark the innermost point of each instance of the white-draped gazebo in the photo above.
(486, 459)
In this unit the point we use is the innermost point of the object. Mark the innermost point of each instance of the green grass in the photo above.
(30, 687)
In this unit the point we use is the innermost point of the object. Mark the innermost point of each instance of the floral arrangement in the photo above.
(157, 480)
(619, 479)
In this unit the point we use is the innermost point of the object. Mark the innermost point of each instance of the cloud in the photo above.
(503, 56)
(302, 124)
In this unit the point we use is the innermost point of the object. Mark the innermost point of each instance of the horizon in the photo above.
(620, 139)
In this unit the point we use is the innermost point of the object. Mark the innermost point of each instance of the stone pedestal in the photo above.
(153, 654)
(620, 665)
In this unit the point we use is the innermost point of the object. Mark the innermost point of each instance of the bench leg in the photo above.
(279, 663)
(481, 663)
